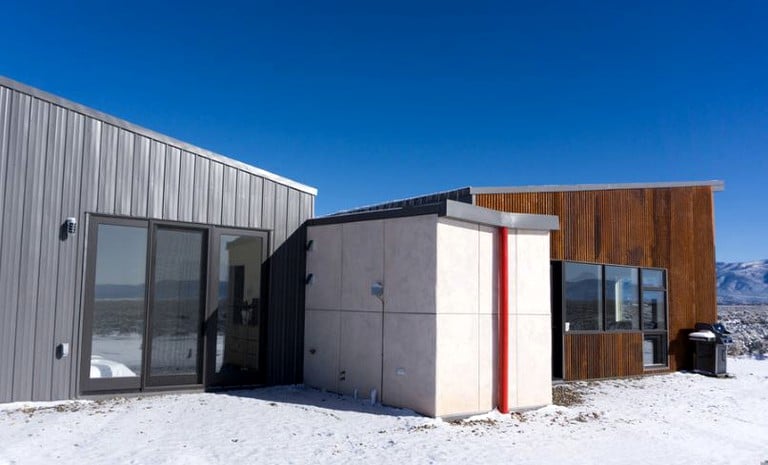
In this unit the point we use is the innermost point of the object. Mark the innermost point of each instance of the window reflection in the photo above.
(239, 304)
(622, 298)
(118, 307)
(583, 297)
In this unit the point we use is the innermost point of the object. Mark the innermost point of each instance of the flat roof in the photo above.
(716, 186)
(450, 209)
(90, 112)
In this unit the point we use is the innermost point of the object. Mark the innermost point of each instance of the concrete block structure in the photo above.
(404, 306)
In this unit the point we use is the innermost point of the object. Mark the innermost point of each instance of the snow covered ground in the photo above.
(678, 418)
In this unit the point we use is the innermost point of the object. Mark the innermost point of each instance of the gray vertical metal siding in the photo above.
(49, 258)
(140, 184)
(58, 159)
(124, 172)
(215, 190)
(68, 282)
(10, 246)
(156, 179)
(29, 268)
(200, 200)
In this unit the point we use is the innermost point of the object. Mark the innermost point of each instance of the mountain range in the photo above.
(744, 283)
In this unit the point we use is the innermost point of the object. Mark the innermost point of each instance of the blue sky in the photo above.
(371, 102)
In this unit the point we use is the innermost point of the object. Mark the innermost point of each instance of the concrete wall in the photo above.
(431, 343)
(530, 321)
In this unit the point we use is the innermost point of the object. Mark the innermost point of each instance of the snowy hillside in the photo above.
(743, 283)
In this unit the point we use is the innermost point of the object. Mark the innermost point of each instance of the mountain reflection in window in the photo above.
(583, 297)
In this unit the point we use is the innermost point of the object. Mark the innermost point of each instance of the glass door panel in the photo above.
(238, 318)
(175, 317)
(114, 328)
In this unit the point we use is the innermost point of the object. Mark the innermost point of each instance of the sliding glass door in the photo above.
(172, 305)
(115, 306)
(177, 304)
(237, 321)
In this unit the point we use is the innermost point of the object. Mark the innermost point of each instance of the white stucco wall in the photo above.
(530, 332)
(431, 343)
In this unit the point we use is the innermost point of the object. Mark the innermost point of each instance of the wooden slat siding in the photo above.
(171, 184)
(29, 267)
(603, 355)
(156, 186)
(242, 199)
(51, 224)
(10, 253)
(254, 213)
(107, 169)
(668, 228)
(200, 201)
(140, 182)
(124, 172)
(186, 183)
(228, 196)
(66, 291)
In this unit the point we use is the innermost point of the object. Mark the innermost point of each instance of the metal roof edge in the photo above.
(450, 209)
(474, 214)
(96, 114)
(716, 185)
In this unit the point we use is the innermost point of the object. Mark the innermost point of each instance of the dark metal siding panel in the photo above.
(29, 269)
(171, 184)
(200, 200)
(285, 337)
(51, 227)
(459, 195)
(243, 197)
(215, 192)
(107, 169)
(67, 290)
(124, 172)
(228, 197)
(186, 182)
(257, 190)
(140, 184)
(10, 252)
(156, 187)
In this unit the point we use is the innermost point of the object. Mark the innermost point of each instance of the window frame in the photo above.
(662, 332)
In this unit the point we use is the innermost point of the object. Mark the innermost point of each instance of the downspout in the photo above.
(503, 322)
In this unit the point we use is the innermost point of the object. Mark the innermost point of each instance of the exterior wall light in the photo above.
(70, 225)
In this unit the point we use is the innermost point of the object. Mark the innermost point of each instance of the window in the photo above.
(622, 298)
(617, 298)
(654, 315)
(583, 297)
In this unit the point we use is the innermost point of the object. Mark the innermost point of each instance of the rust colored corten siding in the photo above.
(620, 354)
(668, 228)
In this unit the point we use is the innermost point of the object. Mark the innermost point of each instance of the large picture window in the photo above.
(598, 297)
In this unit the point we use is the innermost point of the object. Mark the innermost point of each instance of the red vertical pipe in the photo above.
(503, 322)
